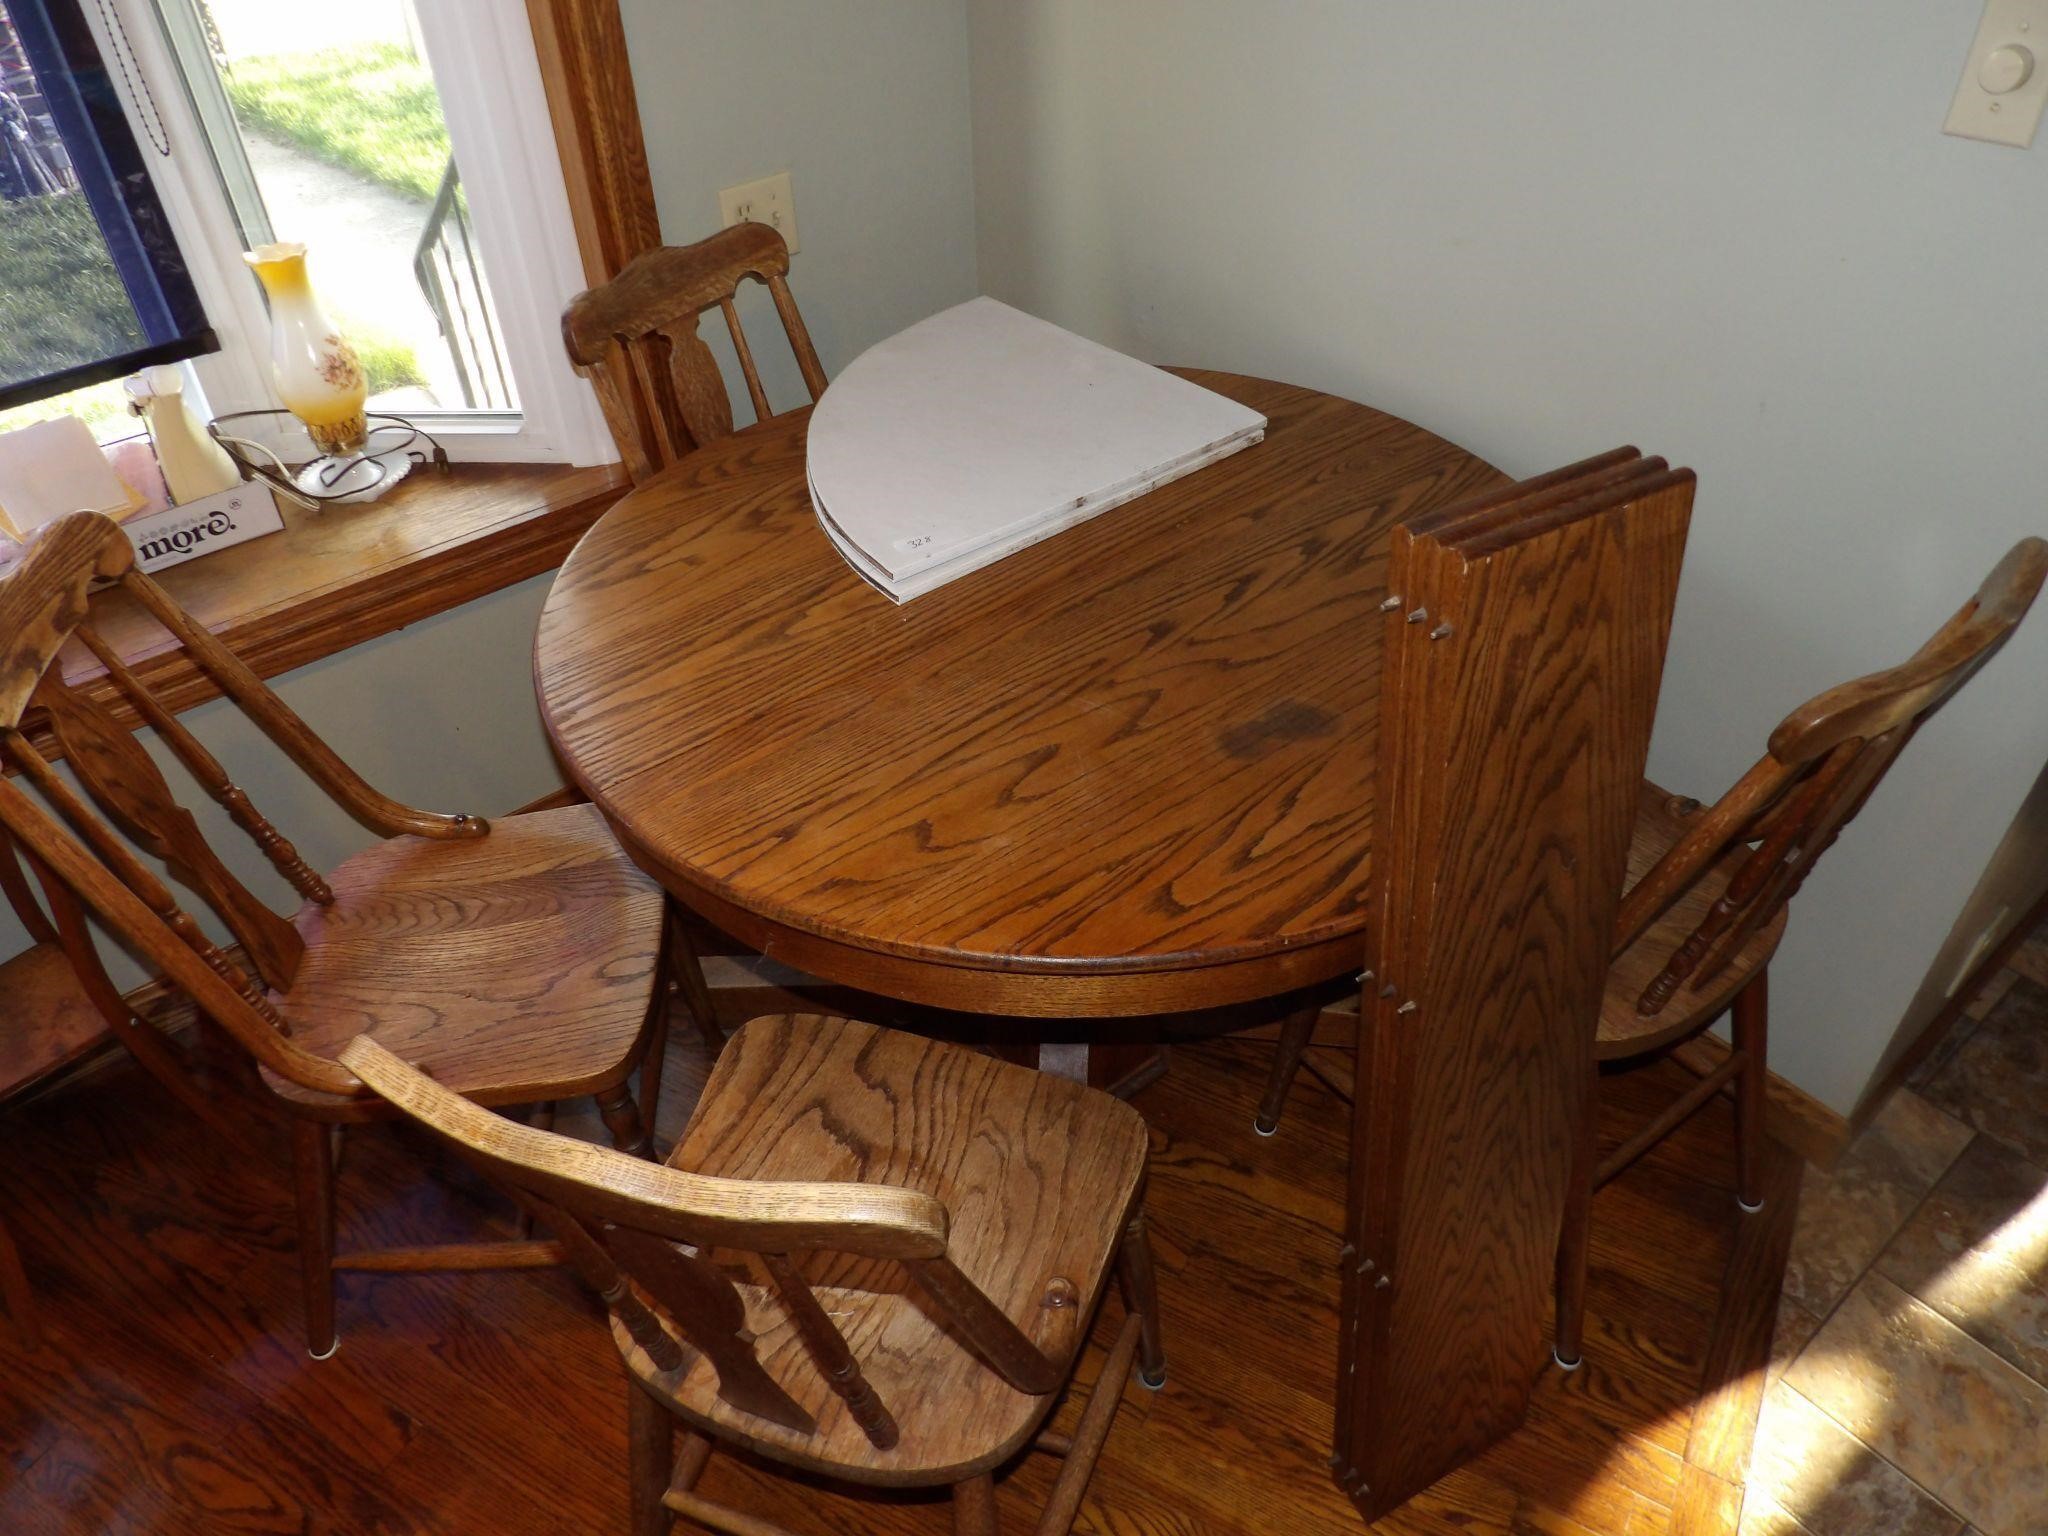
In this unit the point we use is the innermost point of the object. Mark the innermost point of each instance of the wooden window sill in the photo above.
(343, 574)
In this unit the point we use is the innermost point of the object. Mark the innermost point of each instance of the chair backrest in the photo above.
(14, 883)
(43, 608)
(1823, 761)
(621, 1219)
(635, 338)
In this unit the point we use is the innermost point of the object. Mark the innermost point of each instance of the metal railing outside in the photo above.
(450, 275)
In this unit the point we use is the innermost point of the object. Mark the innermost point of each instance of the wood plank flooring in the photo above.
(173, 1393)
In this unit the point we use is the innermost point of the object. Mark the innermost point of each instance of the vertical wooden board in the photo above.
(1404, 801)
(1512, 751)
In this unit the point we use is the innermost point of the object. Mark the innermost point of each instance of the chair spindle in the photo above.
(755, 392)
(134, 874)
(828, 1351)
(706, 1305)
(206, 768)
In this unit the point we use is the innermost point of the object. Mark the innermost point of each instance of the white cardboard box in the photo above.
(982, 430)
(226, 518)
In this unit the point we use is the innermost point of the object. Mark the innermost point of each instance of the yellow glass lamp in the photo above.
(318, 375)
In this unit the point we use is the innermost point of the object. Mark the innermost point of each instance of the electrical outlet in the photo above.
(767, 201)
(2005, 80)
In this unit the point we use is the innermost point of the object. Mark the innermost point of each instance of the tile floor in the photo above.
(1908, 1389)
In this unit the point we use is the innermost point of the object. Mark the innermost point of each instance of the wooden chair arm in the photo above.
(868, 1220)
(297, 740)
(991, 1332)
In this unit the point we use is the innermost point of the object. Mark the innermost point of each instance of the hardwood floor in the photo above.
(173, 1394)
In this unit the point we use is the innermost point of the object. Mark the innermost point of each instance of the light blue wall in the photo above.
(1732, 234)
(864, 103)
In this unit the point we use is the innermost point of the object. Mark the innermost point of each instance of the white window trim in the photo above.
(497, 112)
(488, 76)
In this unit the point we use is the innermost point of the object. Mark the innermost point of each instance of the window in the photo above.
(410, 150)
(92, 284)
(326, 126)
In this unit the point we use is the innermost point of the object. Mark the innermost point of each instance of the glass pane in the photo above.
(82, 296)
(339, 132)
(102, 407)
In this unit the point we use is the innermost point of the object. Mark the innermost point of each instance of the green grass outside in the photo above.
(61, 302)
(388, 361)
(102, 407)
(371, 109)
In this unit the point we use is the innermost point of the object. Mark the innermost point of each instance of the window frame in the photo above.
(487, 72)
(105, 147)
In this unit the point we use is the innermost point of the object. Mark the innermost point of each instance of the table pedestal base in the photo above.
(1118, 1068)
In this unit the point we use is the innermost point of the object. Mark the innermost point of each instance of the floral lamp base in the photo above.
(363, 475)
(391, 447)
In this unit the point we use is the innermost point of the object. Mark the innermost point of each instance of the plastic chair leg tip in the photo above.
(324, 1354)
(1567, 1365)
(1746, 1206)
(1266, 1127)
(1150, 1382)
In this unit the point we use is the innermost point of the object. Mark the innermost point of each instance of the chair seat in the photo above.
(46, 1019)
(1624, 1031)
(510, 967)
(1039, 1176)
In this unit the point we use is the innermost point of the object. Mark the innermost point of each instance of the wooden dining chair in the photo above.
(1708, 891)
(518, 960)
(635, 338)
(872, 1257)
(46, 1022)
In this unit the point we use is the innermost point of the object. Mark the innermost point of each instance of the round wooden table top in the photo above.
(1128, 770)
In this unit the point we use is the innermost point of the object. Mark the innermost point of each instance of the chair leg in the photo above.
(629, 1133)
(1575, 1238)
(1295, 1034)
(668, 989)
(974, 1507)
(313, 1179)
(1750, 1028)
(650, 1461)
(542, 1118)
(690, 1460)
(160, 1060)
(657, 1054)
(21, 1303)
(1140, 1286)
(688, 973)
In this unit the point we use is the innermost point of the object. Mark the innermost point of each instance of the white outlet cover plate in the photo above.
(767, 201)
(2012, 116)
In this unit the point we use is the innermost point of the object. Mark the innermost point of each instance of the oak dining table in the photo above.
(1130, 773)
(1126, 772)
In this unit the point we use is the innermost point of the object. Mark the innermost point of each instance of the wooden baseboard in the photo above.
(1796, 1118)
(1938, 1027)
